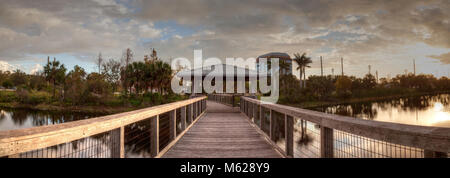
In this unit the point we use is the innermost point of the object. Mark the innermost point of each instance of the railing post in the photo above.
(199, 106)
(254, 111)
(183, 117)
(122, 142)
(173, 124)
(289, 135)
(262, 117)
(232, 101)
(326, 142)
(433, 154)
(242, 104)
(202, 105)
(194, 110)
(250, 110)
(117, 143)
(271, 124)
(205, 104)
(191, 113)
(154, 138)
(245, 106)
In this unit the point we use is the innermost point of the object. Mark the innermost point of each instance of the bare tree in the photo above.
(126, 60)
(127, 57)
(99, 62)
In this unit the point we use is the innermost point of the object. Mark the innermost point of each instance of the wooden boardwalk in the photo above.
(223, 132)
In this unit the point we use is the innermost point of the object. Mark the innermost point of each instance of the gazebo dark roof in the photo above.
(209, 70)
(279, 55)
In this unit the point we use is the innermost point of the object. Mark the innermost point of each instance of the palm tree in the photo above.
(163, 77)
(54, 72)
(303, 62)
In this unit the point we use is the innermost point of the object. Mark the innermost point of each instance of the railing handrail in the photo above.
(23, 140)
(425, 137)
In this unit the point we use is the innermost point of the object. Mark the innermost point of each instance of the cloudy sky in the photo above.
(385, 34)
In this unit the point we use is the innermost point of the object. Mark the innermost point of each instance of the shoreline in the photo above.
(108, 110)
(95, 110)
(315, 104)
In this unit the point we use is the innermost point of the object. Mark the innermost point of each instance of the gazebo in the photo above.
(239, 73)
(281, 56)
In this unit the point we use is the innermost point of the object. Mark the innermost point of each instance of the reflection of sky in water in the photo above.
(426, 111)
(433, 116)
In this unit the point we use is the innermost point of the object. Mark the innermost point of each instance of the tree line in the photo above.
(338, 87)
(114, 79)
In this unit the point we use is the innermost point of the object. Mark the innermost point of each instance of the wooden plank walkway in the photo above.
(222, 132)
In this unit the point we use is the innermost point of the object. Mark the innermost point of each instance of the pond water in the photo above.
(432, 110)
(11, 119)
(137, 135)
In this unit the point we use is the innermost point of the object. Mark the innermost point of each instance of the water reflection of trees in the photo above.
(369, 110)
(361, 110)
(19, 118)
(137, 138)
(304, 139)
(2, 115)
(39, 118)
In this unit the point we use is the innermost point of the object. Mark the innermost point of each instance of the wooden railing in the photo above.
(105, 136)
(304, 133)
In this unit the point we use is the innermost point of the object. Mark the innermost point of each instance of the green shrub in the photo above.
(38, 98)
(135, 102)
(113, 101)
(7, 96)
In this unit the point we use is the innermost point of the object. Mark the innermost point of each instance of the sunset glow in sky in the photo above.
(385, 34)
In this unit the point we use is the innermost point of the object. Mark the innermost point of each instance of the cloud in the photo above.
(444, 58)
(5, 66)
(148, 31)
(84, 29)
(36, 68)
(354, 29)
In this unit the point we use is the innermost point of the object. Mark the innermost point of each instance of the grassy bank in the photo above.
(102, 110)
(106, 105)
